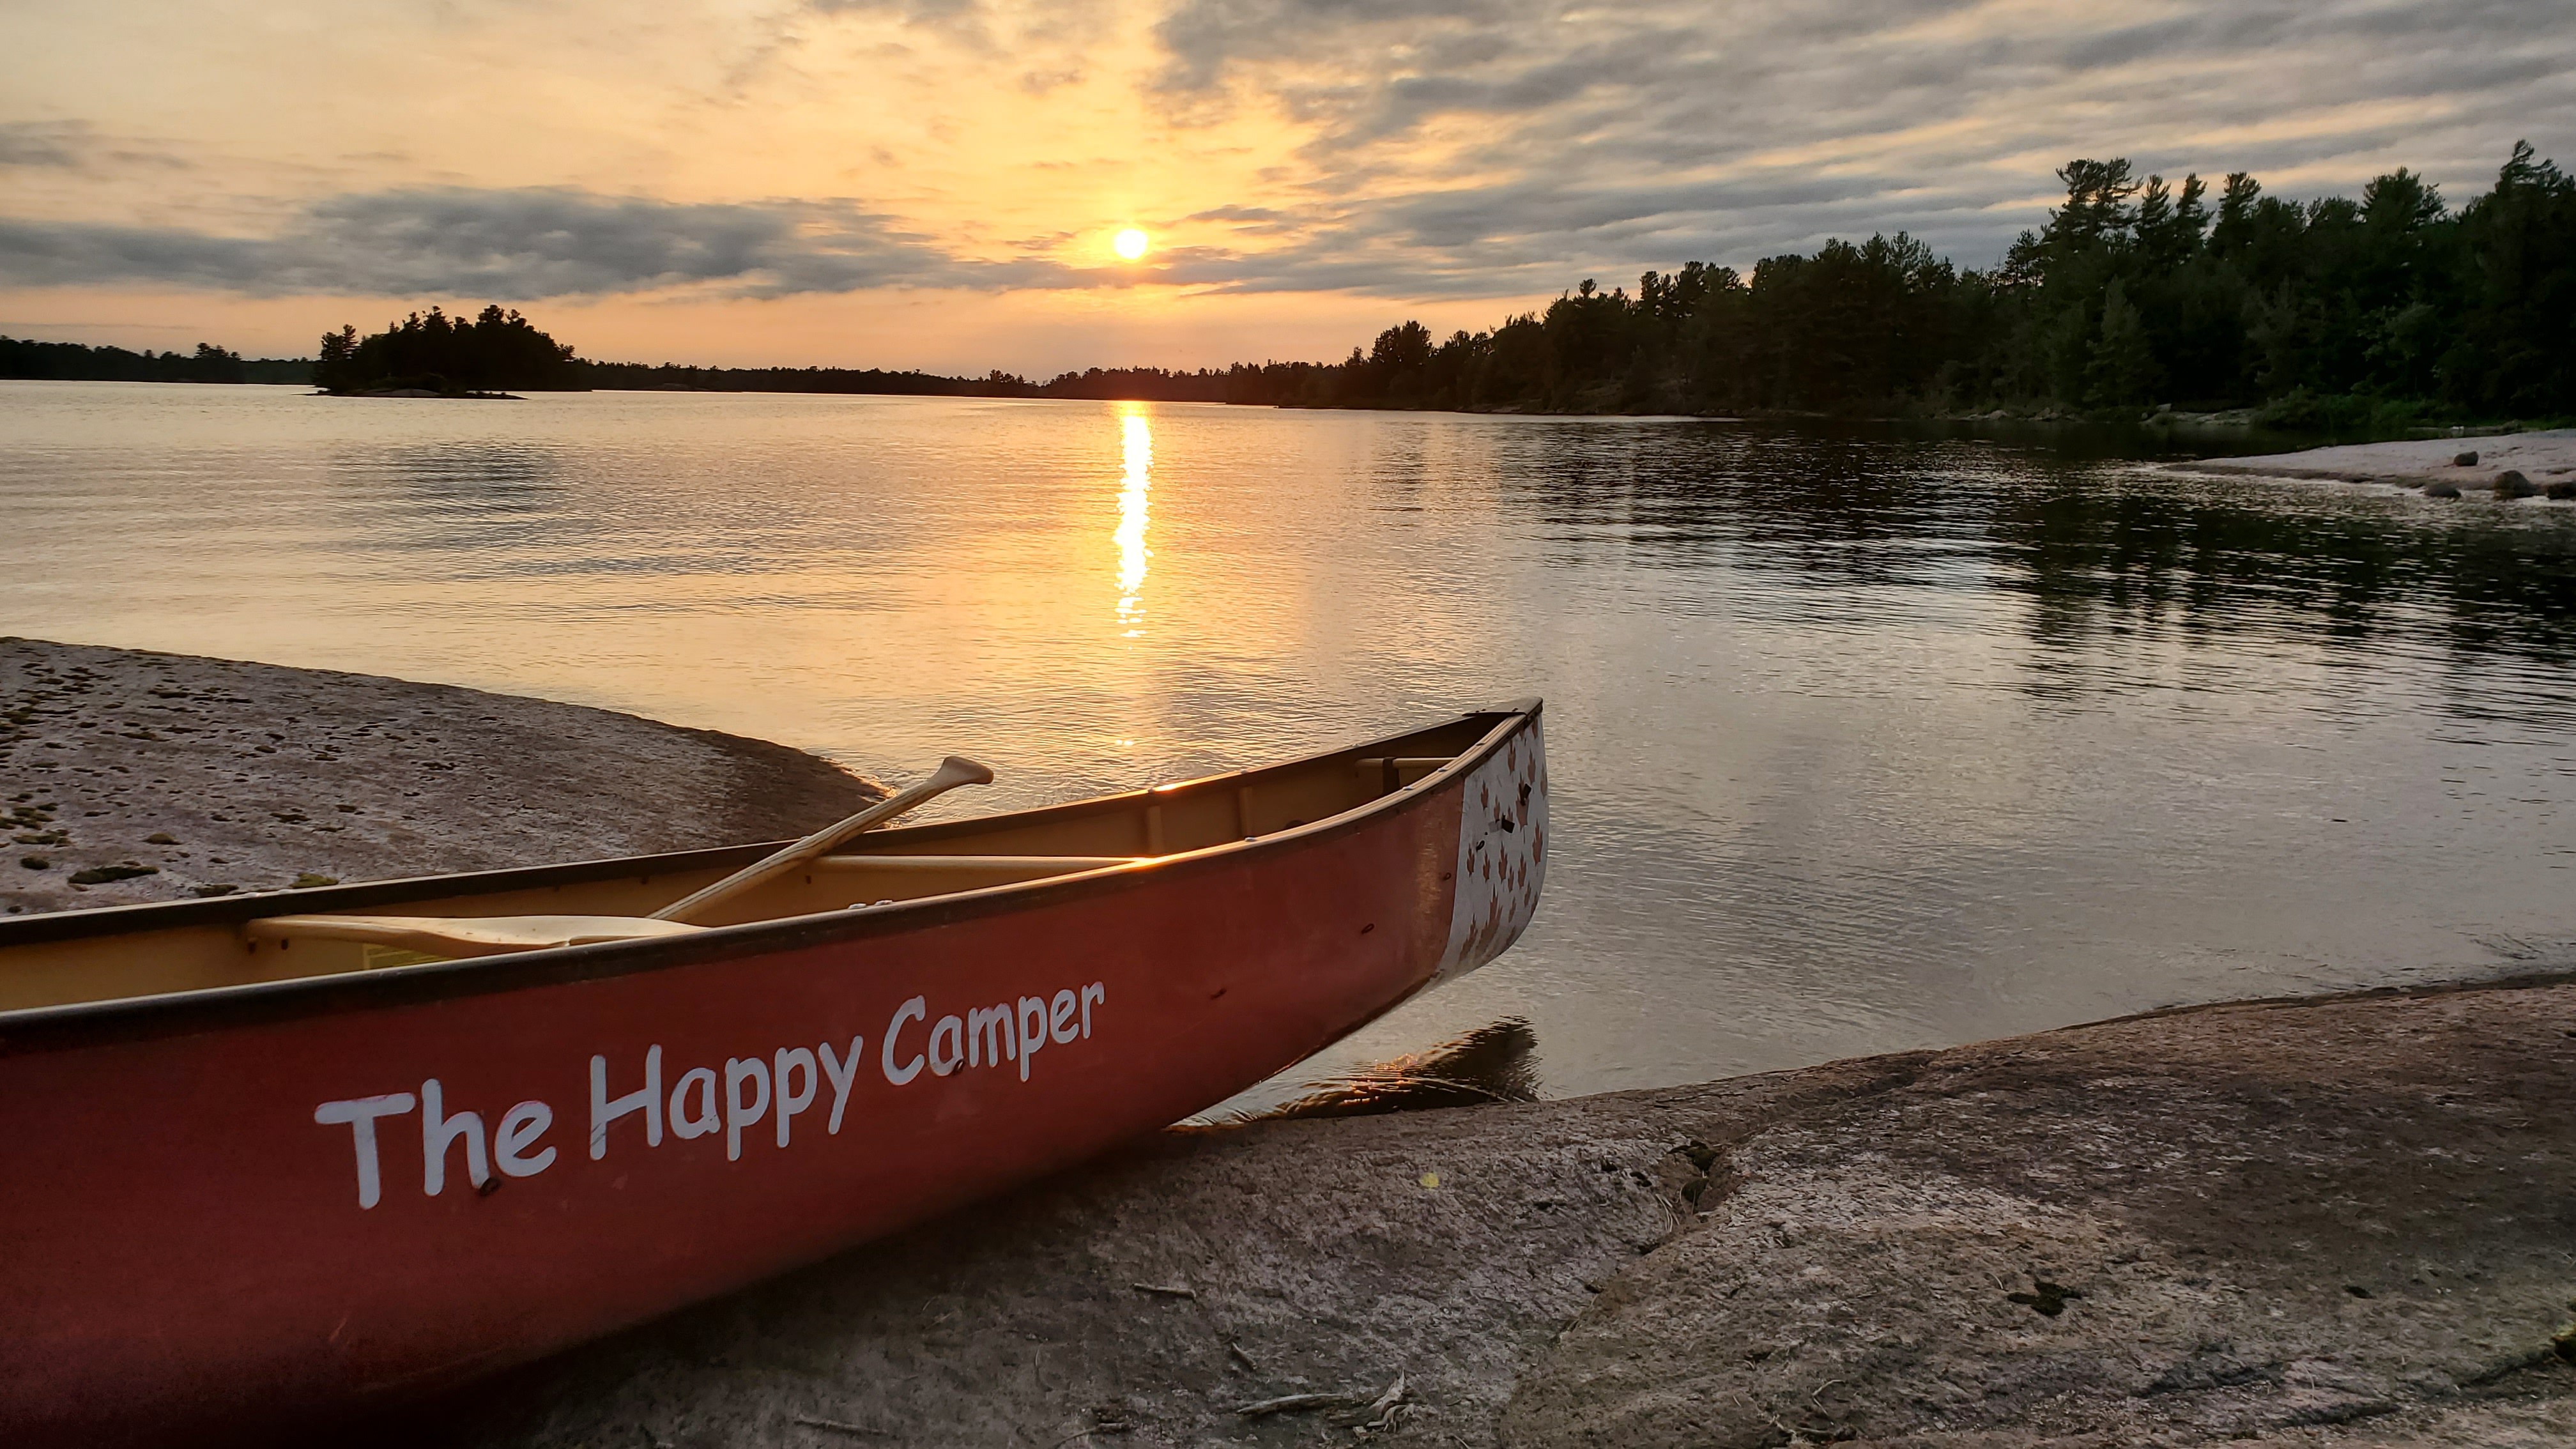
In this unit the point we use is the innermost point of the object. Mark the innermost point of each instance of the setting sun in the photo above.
(1130, 243)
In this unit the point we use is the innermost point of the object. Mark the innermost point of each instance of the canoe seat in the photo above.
(454, 936)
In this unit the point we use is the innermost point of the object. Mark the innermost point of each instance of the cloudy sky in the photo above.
(935, 183)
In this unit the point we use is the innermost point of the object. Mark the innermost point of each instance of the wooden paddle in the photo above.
(954, 771)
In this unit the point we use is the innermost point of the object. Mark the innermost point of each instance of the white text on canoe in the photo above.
(701, 1101)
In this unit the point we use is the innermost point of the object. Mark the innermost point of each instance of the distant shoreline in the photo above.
(407, 392)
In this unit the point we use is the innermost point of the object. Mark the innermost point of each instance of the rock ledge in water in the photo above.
(2512, 465)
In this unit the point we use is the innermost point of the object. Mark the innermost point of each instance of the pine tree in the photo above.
(2122, 368)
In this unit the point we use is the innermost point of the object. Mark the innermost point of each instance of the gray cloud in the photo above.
(1661, 130)
(911, 12)
(995, 28)
(1207, 39)
(42, 143)
(78, 146)
(1238, 213)
(515, 245)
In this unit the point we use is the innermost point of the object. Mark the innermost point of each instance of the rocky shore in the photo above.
(2332, 1222)
(128, 776)
(2342, 1221)
(2507, 467)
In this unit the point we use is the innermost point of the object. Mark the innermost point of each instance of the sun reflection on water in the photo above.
(1138, 434)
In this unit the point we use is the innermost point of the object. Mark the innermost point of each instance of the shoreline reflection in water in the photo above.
(1494, 1063)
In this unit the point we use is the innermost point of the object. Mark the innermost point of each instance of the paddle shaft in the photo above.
(954, 771)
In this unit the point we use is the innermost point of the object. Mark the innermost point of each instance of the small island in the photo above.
(496, 355)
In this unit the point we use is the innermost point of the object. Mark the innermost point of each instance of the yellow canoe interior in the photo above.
(292, 934)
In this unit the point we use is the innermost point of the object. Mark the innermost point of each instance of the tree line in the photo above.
(2379, 310)
(73, 362)
(681, 377)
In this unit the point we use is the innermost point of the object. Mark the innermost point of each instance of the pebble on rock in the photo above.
(2511, 484)
(2440, 490)
(123, 870)
(2465, 460)
(2563, 488)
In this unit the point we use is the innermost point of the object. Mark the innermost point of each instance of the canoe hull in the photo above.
(244, 1219)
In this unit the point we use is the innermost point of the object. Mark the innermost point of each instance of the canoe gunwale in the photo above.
(71, 1025)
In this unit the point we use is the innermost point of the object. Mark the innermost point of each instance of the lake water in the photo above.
(1860, 741)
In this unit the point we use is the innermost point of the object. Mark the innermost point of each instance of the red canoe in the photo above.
(262, 1168)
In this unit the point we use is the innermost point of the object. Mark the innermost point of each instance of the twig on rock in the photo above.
(1296, 1404)
(1383, 1411)
(1109, 1418)
(1304, 1403)
(838, 1427)
(1159, 1290)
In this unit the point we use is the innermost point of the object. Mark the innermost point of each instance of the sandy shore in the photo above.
(2541, 458)
(178, 775)
(2348, 1221)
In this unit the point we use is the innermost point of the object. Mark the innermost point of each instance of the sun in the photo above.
(1130, 243)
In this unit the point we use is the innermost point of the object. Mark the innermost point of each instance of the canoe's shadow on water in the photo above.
(1497, 1063)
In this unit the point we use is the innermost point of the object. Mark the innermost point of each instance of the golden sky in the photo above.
(935, 183)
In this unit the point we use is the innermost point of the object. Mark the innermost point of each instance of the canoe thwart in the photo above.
(464, 935)
(1394, 772)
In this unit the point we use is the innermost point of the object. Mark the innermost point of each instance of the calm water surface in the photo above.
(1859, 742)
